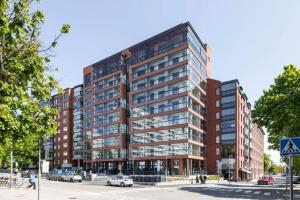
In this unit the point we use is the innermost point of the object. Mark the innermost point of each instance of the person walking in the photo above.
(204, 179)
(32, 181)
(197, 179)
(201, 179)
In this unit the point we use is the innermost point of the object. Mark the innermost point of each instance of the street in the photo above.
(53, 190)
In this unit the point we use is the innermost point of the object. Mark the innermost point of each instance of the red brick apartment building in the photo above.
(231, 134)
(145, 107)
(63, 141)
(153, 109)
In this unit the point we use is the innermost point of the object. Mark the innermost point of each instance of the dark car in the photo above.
(26, 173)
(55, 175)
(296, 180)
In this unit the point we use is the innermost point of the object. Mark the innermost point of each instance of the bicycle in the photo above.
(20, 183)
(4, 182)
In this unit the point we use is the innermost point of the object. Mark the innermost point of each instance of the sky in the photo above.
(250, 40)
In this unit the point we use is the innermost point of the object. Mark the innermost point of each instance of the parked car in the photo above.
(26, 173)
(265, 180)
(72, 177)
(122, 181)
(296, 180)
(55, 175)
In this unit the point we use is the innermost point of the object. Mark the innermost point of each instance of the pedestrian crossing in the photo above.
(253, 193)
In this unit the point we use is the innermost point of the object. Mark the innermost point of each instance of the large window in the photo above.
(230, 111)
(228, 99)
(229, 86)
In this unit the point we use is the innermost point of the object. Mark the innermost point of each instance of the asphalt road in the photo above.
(53, 190)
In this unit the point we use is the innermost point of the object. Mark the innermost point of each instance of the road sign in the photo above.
(290, 146)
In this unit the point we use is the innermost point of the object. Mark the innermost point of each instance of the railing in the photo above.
(153, 53)
(159, 66)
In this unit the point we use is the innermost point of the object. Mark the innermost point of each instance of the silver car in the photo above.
(71, 177)
(122, 181)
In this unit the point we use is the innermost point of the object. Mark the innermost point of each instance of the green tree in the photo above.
(278, 109)
(267, 161)
(26, 83)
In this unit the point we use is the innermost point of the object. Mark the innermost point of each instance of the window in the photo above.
(65, 128)
(65, 121)
(228, 99)
(217, 139)
(229, 86)
(175, 90)
(230, 111)
(88, 93)
(65, 104)
(217, 151)
(217, 127)
(58, 139)
(175, 105)
(65, 153)
(217, 103)
(65, 95)
(65, 137)
(65, 112)
(218, 91)
(65, 161)
(217, 115)
(65, 145)
(88, 124)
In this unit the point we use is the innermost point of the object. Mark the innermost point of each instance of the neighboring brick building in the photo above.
(257, 153)
(63, 140)
(230, 138)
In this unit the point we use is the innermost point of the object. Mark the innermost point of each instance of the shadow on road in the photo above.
(241, 192)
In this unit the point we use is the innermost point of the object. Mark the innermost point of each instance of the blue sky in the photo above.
(250, 40)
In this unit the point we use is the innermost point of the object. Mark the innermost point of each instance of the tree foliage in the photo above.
(267, 161)
(25, 82)
(278, 109)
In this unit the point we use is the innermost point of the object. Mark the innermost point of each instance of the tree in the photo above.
(26, 83)
(267, 161)
(278, 109)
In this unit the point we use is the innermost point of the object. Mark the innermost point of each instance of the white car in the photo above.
(122, 181)
(71, 177)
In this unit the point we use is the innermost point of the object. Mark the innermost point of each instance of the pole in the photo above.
(133, 165)
(11, 167)
(166, 167)
(39, 165)
(291, 176)
(229, 169)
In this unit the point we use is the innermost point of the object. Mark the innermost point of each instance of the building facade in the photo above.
(230, 137)
(105, 116)
(78, 125)
(63, 140)
(153, 108)
(257, 153)
(145, 107)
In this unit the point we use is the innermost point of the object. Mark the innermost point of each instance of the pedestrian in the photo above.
(201, 179)
(197, 179)
(204, 179)
(32, 181)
